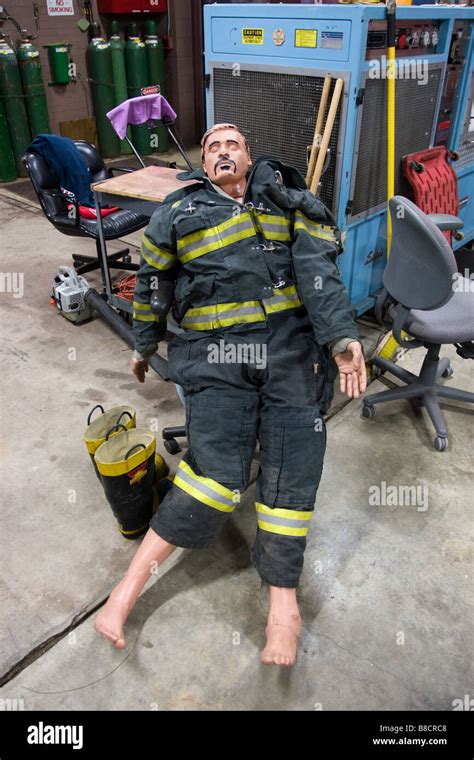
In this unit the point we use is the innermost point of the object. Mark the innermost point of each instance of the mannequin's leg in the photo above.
(292, 437)
(206, 488)
(111, 619)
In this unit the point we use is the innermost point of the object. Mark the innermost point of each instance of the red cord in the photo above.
(125, 287)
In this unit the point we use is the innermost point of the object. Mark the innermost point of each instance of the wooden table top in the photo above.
(153, 183)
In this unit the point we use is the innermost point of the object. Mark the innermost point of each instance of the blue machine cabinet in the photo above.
(265, 66)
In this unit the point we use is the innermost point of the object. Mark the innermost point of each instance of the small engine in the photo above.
(68, 293)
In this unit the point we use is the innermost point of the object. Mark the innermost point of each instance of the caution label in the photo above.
(252, 36)
(306, 38)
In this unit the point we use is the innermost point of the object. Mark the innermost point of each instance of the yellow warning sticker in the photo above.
(252, 36)
(306, 38)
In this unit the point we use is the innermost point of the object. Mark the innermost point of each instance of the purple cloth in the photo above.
(146, 109)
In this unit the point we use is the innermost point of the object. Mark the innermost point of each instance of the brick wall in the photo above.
(73, 101)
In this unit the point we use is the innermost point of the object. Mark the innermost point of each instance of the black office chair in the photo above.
(425, 297)
(54, 205)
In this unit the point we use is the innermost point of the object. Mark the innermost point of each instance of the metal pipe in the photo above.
(178, 145)
(23, 32)
(134, 150)
(118, 324)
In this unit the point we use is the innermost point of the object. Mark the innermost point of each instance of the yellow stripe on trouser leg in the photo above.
(205, 490)
(284, 522)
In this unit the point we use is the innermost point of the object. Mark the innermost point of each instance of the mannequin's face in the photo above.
(225, 157)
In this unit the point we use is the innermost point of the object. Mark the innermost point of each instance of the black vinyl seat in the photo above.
(55, 207)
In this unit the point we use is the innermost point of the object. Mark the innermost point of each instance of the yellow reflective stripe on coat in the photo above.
(275, 227)
(157, 257)
(285, 522)
(284, 298)
(142, 312)
(204, 241)
(321, 231)
(226, 314)
(205, 490)
(222, 315)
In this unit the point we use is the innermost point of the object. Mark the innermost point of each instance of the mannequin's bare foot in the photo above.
(152, 552)
(111, 619)
(283, 628)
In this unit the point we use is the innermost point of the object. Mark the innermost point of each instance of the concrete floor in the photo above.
(386, 593)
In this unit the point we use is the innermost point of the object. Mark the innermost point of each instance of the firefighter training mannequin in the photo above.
(251, 255)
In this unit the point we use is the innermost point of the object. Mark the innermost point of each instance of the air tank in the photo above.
(33, 87)
(7, 159)
(117, 49)
(99, 68)
(11, 94)
(156, 75)
(137, 77)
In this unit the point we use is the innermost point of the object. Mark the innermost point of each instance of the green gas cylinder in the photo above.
(58, 57)
(7, 159)
(33, 87)
(11, 93)
(137, 77)
(156, 74)
(117, 48)
(99, 67)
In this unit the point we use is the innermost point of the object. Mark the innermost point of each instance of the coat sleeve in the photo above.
(158, 261)
(315, 247)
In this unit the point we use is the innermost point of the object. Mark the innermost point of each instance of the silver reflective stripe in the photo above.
(218, 237)
(275, 227)
(286, 521)
(159, 260)
(204, 240)
(281, 297)
(206, 490)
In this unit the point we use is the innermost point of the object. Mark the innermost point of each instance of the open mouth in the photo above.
(225, 166)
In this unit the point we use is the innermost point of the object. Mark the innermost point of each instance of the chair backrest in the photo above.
(143, 109)
(93, 159)
(421, 267)
(43, 180)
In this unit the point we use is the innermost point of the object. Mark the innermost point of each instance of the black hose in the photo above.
(118, 324)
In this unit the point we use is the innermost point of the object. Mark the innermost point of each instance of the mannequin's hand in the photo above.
(352, 373)
(139, 368)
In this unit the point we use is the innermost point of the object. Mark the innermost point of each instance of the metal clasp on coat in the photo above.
(266, 247)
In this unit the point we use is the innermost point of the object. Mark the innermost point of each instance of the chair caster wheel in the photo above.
(376, 371)
(171, 446)
(448, 372)
(368, 411)
(440, 443)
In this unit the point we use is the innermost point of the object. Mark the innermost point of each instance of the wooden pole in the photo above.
(318, 129)
(327, 134)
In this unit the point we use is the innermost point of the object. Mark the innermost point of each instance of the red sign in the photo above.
(153, 89)
(132, 6)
